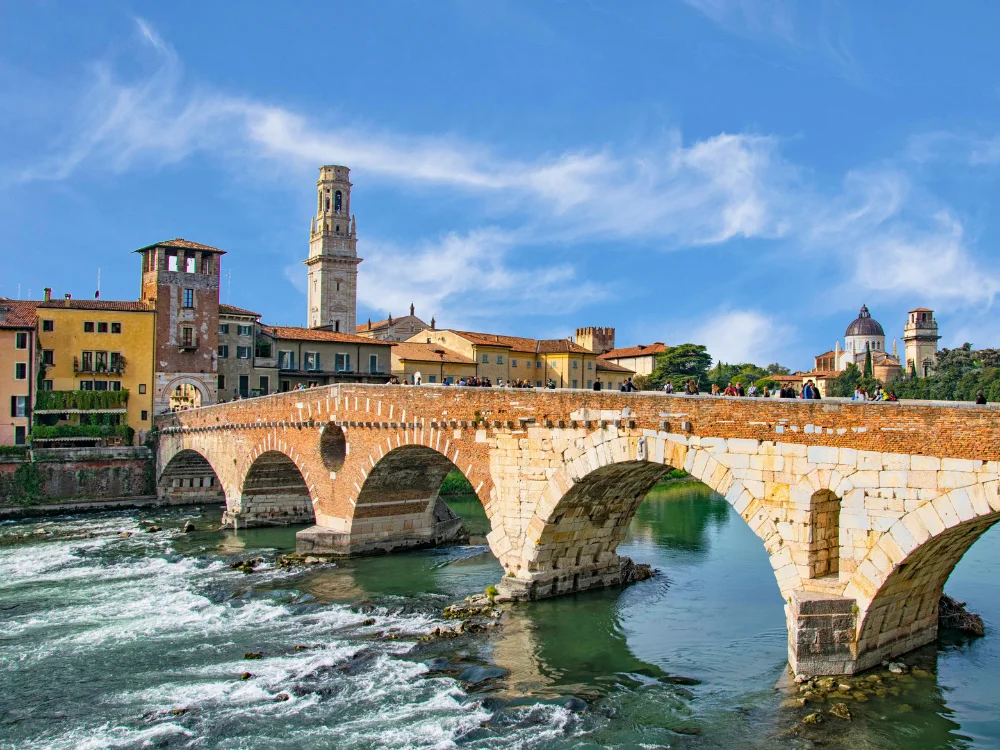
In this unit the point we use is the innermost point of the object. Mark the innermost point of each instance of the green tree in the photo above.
(844, 385)
(775, 369)
(868, 361)
(680, 363)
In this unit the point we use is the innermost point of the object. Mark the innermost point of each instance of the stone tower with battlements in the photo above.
(333, 255)
(597, 339)
(920, 336)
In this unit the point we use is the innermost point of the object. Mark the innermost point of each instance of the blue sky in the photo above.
(740, 173)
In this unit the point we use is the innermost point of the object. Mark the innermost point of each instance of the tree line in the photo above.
(678, 364)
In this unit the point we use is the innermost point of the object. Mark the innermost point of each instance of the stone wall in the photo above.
(75, 473)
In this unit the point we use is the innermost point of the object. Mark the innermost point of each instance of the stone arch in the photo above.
(398, 505)
(591, 478)
(186, 380)
(273, 492)
(189, 477)
(899, 584)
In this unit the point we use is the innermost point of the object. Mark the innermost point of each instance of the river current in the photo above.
(111, 637)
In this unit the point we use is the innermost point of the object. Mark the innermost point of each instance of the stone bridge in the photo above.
(864, 509)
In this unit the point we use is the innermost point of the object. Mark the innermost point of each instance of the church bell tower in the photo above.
(333, 255)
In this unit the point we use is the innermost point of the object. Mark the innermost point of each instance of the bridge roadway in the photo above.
(864, 509)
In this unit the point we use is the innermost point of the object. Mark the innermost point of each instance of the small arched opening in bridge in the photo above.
(274, 493)
(399, 504)
(189, 478)
(824, 535)
(903, 614)
(333, 447)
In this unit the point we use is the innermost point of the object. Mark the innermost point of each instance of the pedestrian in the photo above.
(691, 389)
(752, 390)
(668, 388)
(597, 384)
(980, 398)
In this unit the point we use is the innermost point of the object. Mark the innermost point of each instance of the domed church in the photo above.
(864, 334)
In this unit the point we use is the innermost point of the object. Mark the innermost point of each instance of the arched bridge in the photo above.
(864, 509)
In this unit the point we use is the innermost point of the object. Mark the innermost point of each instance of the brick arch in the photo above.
(273, 488)
(588, 503)
(899, 583)
(190, 476)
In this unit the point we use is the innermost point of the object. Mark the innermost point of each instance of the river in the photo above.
(115, 641)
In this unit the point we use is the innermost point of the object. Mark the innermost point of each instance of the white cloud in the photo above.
(736, 336)
(770, 17)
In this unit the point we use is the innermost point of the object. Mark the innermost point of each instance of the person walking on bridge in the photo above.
(597, 384)
(668, 388)
(691, 389)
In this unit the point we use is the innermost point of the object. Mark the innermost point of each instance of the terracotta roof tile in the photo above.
(603, 366)
(233, 310)
(183, 244)
(380, 324)
(521, 344)
(17, 313)
(98, 304)
(416, 352)
(635, 351)
(294, 333)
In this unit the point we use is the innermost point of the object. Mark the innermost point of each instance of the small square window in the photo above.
(486, 359)
(48, 325)
(102, 327)
(223, 351)
(513, 363)
(86, 385)
(142, 387)
(189, 298)
(224, 328)
(245, 330)
(172, 261)
(499, 359)
(46, 385)
(590, 365)
(243, 352)
(527, 363)
(116, 328)
(48, 357)
(143, 415)
(88, 327)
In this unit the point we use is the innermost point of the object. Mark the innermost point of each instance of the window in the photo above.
(20, 371)
(171, 261)
(590, 384)
(221, 382)
(190, 265)
(114, 385)
(499, 359)
(286, 385)
(21, 340)
(486, 359)
(48, 357)
(590, 365)
(309, 360)
(224, 328)
(102, 327)
(100, 385)
(513, 363)
(242, 352)
(265, 385)
(19, 436)
(432, 378)
(143, 415)
(88, 327)
(86, 385)
(373, 363)
(19, 406)
(116, 328)
(87, 359)
(48, 325)
(342, 362)
(46, 385)
(187, 337)
(538, 383)
(244, 387)
(244, 330)
(576, 366)
(286, 360)
(538, 363)
(100, 361)
(142, 388)
(574, 384)
(336, 326)
(116, 363)
(206, 263)
(223, 351)
(189, 298)
(337, 201)
(527, 363)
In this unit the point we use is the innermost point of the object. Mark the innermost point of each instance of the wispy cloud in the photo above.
(737, 336)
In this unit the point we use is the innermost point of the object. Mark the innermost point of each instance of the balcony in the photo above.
(76, 402)
(187, 344)
(115, 367)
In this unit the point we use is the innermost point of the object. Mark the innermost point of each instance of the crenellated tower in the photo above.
(333, 254)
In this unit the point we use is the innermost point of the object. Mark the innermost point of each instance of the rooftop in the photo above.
(641, 350)
(233, 310)
(182, 244)
(604, 366)
(97, 304)
(294, 333)
(519, 344)
(417, 352)
(17, 313)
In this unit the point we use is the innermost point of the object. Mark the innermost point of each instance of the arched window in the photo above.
(336, 326)
(336, 201)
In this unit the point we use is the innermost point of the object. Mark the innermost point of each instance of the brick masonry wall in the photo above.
(82, 474)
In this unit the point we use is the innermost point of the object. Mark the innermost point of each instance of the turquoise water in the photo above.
(139, 641)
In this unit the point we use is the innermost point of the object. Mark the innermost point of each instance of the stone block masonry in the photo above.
(80, 473)
(865, 508)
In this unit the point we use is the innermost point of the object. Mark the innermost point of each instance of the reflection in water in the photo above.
(679, 517)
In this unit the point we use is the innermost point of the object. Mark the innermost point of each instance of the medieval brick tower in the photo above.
(333, 255)
(921, 338)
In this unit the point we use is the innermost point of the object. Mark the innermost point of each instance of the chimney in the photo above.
(48, 294)
(68, 298)
(433, 323)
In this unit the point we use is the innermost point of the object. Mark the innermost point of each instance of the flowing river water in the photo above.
(113, 641)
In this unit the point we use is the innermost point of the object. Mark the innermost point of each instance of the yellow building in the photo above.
(430, 363)
(93, 346)
(513, 358)
(18, 369)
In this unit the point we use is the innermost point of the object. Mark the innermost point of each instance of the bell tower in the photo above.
(333, 255)
(920, 336)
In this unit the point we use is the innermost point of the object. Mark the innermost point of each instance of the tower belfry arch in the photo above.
(333, 254)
